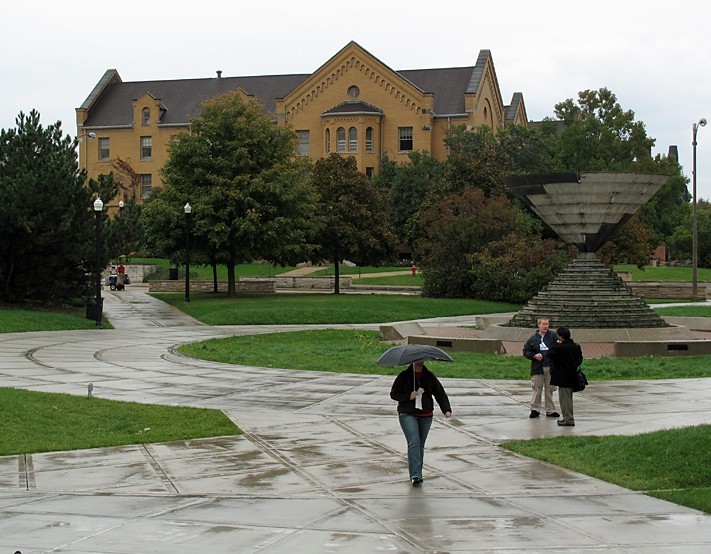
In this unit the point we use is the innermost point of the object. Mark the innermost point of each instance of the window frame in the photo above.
(405, 139)
(146, 148)
(146, 185)
(303, 146)
(341, 140)
(352, 140)
(104, 153)
(369, 132)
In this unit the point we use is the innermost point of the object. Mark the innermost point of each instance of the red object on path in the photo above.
(414, 270)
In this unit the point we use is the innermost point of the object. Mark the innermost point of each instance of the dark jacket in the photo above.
(404, 385)
(533, 347)
(566, 358)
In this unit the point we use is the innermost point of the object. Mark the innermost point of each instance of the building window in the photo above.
(328, 141)
(340, 139)
(405, 134)
(146, 185)
(353, 139)
(353, 91)
(146, 116)
(369, 139)
(370, 172)
(104, 149)
(303, 139)
(146, 148)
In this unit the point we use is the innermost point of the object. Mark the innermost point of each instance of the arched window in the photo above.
(328, 141)
(369, 139)
(353, 139)
(340, 139)
(146, 116)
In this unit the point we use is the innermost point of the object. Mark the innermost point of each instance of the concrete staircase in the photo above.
(587, 294)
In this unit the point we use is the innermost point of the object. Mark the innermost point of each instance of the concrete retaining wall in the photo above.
(666, 289)
(460, 344)
(636, 349)
(310, 283)
(255, 285)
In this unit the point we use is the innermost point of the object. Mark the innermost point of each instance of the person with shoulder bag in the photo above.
(566, 357)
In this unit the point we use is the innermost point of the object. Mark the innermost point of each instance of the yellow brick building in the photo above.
(353, 104)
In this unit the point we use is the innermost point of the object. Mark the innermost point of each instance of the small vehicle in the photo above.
(118, 281)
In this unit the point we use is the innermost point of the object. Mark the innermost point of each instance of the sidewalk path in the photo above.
(321, 466)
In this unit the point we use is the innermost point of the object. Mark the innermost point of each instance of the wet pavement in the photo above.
(321, 466)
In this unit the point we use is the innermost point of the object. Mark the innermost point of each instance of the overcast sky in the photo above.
(654, 55)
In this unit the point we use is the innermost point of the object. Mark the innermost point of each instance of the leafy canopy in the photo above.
(249, 191)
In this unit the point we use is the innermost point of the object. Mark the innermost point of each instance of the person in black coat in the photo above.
(566, 357)
(414, 389)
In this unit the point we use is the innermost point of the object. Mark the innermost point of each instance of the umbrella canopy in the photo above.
(408, 353)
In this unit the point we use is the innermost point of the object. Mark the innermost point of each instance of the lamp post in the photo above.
(83, 137)
(98, 208)
(694, 226)
(188, 210)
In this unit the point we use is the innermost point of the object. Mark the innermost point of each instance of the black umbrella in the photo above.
(408, 353)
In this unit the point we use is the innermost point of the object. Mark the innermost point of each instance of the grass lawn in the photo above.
(671, 464)
(204, 273)
(14, 320)
(392, 281)
(296, 308)
(349, 351)
(685, 311)
(45, 422)
(664, 273)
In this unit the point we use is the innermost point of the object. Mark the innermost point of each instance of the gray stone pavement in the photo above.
(321, 466)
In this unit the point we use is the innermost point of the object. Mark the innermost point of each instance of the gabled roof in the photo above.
(183, 97)
(448, 86)
(351, 107)
(110, 104)
(512, 109)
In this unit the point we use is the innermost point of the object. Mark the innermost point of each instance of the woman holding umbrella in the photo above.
(414, 390)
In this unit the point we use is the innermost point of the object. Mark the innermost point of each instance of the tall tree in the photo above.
(355, 222)
(249, 191)
(599, 135)
(463, 225)
(475, 160)
(47, 243)
(407, 186)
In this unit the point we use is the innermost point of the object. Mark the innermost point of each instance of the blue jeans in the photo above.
(416, 430)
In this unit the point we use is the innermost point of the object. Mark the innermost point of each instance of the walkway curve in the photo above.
(321, 466)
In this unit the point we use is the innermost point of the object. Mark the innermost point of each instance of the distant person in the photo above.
(536, 349)
(414, 389)
(566, 357)
(121, 269)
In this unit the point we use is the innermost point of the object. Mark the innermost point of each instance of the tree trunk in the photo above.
(214, 277)
(337, 273)
(231, 289)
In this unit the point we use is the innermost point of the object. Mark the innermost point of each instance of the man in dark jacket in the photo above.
(566, 357)
(414, 389)
(536, 350)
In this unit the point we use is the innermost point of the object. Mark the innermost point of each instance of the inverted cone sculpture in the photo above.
(585, 210)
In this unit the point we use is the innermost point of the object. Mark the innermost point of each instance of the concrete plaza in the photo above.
(321, 466)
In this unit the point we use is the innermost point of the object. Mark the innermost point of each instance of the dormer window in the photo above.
(146, 116)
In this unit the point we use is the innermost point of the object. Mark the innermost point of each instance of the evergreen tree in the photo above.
(47, 242)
